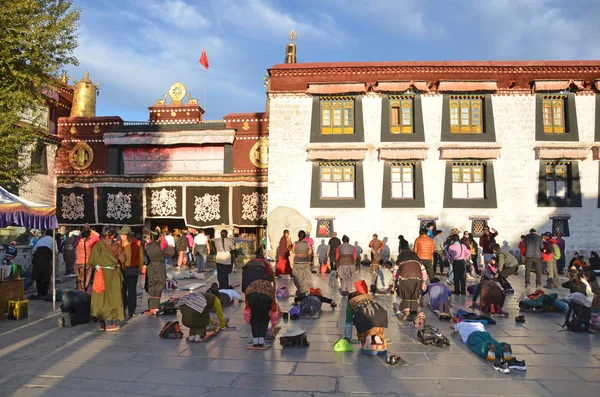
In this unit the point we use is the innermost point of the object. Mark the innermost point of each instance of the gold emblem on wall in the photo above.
(259, 154)
(73, 130)
(81, 156)
(96, 129)
(245, 126)
(177, 92)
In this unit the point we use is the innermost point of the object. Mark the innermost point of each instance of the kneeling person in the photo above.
(368, 316)
(440, 298)
(195, 309)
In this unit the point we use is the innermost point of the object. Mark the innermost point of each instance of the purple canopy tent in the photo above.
(16, 211)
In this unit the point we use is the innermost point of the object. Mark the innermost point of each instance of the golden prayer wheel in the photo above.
(84, 98)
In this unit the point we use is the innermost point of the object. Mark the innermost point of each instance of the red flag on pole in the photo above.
(204, 59)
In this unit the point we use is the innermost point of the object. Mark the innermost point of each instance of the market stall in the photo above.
(16, 211)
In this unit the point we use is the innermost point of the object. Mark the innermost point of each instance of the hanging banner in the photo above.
(164, 202)
(250, 206)
(120, 206)
(207, 206)
(75, 206)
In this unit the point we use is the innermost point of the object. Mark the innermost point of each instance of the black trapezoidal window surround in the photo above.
(400, 133)
(489, 186)
(486, 119)
(316, 199)
(316, 135)
(559, 184)
(546, 113)
(400, 185)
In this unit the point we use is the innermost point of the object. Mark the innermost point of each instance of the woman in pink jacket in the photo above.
(458, 253)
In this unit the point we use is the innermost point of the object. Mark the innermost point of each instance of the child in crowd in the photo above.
(440, 299)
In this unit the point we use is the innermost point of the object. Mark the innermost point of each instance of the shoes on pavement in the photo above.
(112, 327)
(501, 366)
(513, 363)
(491, 356)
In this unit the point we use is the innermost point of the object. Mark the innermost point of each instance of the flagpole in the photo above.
(204, 90)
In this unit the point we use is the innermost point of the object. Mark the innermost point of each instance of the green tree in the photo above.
(37, 41)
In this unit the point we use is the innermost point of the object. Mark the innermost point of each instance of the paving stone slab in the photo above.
(561, 360)
(250, 366)
(168, 362)
(490, 387)
(387, 385)
(180, 391)
(187, 378)
(130, 388)
(291, 383)
(533, 373)
(578, 388)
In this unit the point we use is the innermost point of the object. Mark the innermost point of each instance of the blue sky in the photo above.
(138, 48)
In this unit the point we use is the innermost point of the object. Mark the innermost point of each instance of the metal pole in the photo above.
(53, 271)
(204, 90)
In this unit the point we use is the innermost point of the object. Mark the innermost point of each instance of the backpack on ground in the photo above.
(310, 306)
(578, 317)
(557, 253)
(429, 335)
(167, 307)
(171, 330)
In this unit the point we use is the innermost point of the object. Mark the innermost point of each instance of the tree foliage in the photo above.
(37, 41)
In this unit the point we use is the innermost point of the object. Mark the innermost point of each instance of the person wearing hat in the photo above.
(550, 248)
(195, 314)
(533, 256)
(131, 268)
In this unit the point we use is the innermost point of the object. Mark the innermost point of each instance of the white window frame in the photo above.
(557, 187)
(467, 188)
(398, 181)
(338, 177)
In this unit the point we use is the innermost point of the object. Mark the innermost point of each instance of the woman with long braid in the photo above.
(224, 246)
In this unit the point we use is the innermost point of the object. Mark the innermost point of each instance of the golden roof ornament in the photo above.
(84, 97)
(64, 78)
(177, 93)
(290, 49)
(292, 36)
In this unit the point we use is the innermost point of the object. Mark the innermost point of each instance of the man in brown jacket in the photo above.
(424, 247)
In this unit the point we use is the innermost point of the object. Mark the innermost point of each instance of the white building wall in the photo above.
(41, 188)
(516, 174)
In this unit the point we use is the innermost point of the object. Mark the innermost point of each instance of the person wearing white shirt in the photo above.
(201, 249)
(42, 264)
(484, 345)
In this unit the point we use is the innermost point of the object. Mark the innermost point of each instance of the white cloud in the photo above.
(538, 29)
(264, 21)
(412, 18)
(174, 13)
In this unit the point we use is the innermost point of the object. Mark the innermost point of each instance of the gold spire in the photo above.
(64, 78)
(84, 98)
(290, 49)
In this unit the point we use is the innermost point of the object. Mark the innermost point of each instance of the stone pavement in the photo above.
(39, 359)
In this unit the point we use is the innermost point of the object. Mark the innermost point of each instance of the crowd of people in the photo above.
(107, 266)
